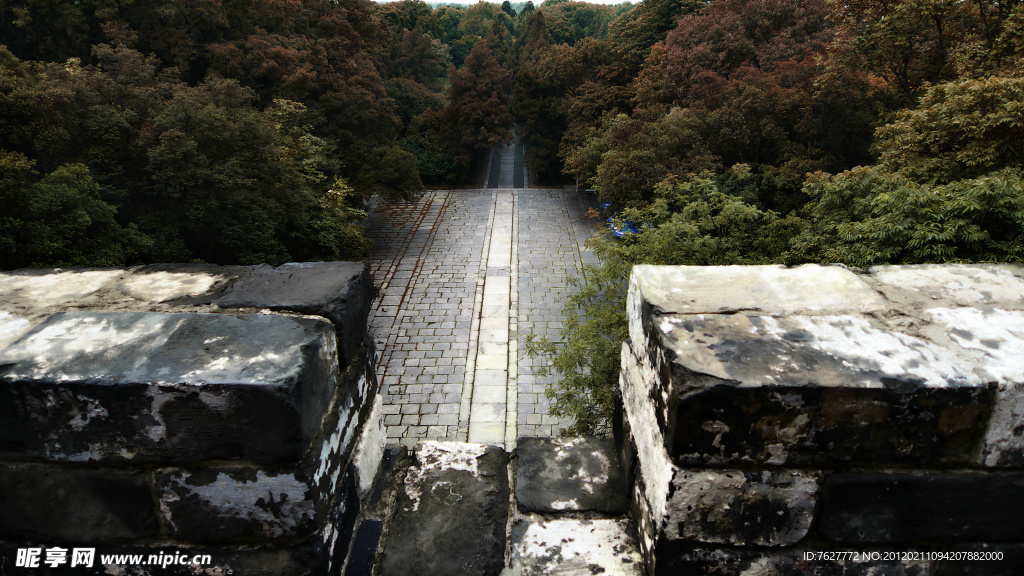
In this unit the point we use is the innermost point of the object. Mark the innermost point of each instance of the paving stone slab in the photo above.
(180, 387)
(451, 516)
(236, 504)
(574, 548)
(559, 475)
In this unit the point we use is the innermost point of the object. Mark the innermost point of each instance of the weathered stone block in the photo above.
(238, 504)
(85, 386)
(50, 502)
(994, 339)
(364, 548)
(181, 284)
(951, 284)
(811, 390)
(451, 515)
(922, 507)
(767, 289)
(48, 288)
(339, 291)
(580, 474)
(743, 508)
(574, 548)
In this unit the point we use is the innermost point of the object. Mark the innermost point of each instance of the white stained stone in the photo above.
(242, 499)
(808, 350)
(637, 380)
(1004, 439)
(574, 547)
(770, 289)
(11, 327)
(955, 284)
(727, 507)
(993, 338)
(164, 286)
(370, 450)
(56, 288)
(432, 455)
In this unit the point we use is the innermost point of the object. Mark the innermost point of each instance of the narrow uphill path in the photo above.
(462, 277)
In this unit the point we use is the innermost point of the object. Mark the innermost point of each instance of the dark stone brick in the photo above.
(451, 515)
(923, 507)
(741, 507)
(818, 426)
(581, 474)
(339, 291)
(166, 387)
(396, 458)
(364, 548)
(57, 503)
(809, 390)
(344, 513)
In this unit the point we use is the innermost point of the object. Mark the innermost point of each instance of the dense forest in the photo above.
(774, 131)
(720, 131)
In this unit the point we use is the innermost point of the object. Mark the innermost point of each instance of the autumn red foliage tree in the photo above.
(477, 115)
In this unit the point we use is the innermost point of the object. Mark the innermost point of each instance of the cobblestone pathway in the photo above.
(462, 277)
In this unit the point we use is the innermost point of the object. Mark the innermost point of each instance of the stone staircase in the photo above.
(551, 506)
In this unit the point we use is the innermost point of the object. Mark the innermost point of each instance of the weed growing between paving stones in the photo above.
(587, 358)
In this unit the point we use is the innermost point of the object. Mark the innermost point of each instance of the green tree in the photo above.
(690, 222)
(960, 129)
(477, 114)
(947, 188)
(60, 219)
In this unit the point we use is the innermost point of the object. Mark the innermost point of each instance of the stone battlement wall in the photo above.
(230, 411)
(776, 413)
